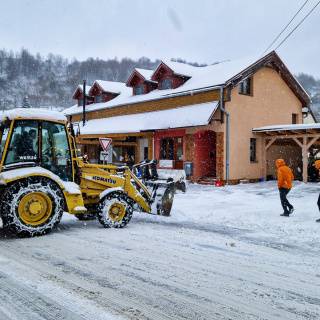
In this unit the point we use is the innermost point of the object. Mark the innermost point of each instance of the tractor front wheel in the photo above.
(32, 206)
(115, 210)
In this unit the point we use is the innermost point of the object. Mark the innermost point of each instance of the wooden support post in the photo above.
(151, 154)
(264, 160)
(305, 160)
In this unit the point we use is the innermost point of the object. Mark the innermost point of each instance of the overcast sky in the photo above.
(203, 31)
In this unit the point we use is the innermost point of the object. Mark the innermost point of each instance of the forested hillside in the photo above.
(51, 81)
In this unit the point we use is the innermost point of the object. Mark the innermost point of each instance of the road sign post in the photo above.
(105, 143)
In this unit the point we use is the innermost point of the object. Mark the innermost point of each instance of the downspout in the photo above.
(84, 104)
(227, 114)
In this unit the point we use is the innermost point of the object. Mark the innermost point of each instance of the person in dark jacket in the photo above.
(285, 178)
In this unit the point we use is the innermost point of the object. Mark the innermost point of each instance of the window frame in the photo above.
(245, 87)
(253, 150)
(294, 118)
(140, 90)
(99, 98)
(165, 82)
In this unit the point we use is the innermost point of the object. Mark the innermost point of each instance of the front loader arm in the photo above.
(97, 178)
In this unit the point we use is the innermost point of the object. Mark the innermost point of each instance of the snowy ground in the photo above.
(225, 253)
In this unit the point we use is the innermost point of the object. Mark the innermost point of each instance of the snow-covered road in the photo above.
(224, 254)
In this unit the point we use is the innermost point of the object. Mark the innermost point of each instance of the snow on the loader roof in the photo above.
(32, 113)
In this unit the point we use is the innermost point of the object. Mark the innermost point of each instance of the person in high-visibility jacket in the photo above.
(317, 164)
(285, 178)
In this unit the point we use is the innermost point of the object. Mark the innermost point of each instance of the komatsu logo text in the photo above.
(108, 180)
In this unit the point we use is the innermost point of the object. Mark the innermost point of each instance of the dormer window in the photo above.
(99, 98)
(139, 89)
(166, 84)
(140, 82)
(245, 87)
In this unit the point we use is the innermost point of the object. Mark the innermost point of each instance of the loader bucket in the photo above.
(164, 194)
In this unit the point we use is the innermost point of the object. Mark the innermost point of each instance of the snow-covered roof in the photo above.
(32, 113)
(112, 86)
(195, 115)
(145, 73)
(80, 86)
(288, 127)
(202, 78)
(180, 68)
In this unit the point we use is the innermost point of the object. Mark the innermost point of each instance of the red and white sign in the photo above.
(105, 143)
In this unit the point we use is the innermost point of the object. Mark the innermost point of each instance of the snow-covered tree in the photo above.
(25, 102)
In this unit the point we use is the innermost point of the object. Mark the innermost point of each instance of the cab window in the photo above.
(55, 150)
(4, 131)
(23, 145)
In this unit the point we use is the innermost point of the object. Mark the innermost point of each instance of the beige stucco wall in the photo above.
(272, 103)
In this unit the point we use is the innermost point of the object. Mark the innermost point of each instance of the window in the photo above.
(139, 89)
(294, 118)
(55, 153)
(4, 131)
(167, 148)
(166, 84)
(245, 86)
(23, 146)
(123, 154)
(99, 98)
(253, 156)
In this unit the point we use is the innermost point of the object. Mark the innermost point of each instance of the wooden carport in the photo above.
(306, 136)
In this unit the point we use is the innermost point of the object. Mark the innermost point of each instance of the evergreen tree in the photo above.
(25, 102)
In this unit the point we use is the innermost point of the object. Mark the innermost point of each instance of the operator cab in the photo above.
(38, 143)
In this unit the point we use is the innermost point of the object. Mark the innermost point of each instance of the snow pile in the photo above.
(32, 113)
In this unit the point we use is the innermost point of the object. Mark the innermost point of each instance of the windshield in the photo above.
(23, 145)
(4, 130)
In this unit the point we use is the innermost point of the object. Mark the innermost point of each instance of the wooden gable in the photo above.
(137, 79)
(164, 72)
(96, 90)
(273, 61)
(78, 95)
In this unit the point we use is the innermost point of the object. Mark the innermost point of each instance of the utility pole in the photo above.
(84, 103)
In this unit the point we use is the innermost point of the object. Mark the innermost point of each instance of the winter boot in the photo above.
(287, 215)
(291, 210)
(318, 220)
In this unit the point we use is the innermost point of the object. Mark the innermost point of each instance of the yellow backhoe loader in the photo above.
(41, 176)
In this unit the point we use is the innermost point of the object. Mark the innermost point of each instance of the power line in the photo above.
(283, 29)
(296, 26)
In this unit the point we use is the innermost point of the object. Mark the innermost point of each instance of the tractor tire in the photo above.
(115, 210)
(32, 207)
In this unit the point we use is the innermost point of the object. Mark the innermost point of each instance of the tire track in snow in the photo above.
(169, 274)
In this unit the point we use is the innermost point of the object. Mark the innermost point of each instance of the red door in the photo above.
(204, 154)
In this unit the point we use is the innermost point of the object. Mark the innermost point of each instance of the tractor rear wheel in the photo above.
(32, 206)
(115, 210)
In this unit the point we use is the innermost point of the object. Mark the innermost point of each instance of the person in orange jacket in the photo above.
(317, 164)
(285, 178)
